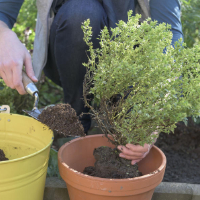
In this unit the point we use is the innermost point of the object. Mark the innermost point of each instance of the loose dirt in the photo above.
(2, 156)
(109, 165)
(63, 119)
(182, 150)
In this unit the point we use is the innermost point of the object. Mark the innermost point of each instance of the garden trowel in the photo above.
(31, 88)
(33, 91)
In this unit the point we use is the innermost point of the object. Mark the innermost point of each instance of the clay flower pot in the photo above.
(77, 154)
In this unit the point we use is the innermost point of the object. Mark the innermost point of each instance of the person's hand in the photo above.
(135, 153)
(13, 55)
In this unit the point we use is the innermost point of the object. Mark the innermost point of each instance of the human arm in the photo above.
(13, 54)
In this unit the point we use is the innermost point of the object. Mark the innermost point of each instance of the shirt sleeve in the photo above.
(9, 10)
(168, 12)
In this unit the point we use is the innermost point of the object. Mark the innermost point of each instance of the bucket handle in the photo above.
(4, 109)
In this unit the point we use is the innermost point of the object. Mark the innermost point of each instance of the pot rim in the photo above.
(32, 154)
(154, 173)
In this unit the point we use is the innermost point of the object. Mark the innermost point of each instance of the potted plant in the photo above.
(142, 85)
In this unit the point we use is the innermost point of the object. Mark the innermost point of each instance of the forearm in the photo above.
(5, 30)
(3, 26)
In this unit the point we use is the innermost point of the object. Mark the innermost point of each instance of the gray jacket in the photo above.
(45, 18)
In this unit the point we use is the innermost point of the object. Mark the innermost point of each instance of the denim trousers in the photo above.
(67, 50)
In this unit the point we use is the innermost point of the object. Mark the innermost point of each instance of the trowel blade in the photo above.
(33, 113)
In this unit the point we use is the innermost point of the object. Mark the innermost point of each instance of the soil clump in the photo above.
(2, 156)
(63, 119)
(109, 165)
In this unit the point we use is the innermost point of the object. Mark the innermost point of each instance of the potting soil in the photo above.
(109, 165)
(63, 119)
(2, 156)
(182, 150)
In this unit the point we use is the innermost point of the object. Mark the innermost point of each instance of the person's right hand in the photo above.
(13, 55)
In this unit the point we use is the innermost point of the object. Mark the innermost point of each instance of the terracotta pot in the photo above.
(77, 154)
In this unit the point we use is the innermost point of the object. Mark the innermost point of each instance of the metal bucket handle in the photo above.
(4, 109)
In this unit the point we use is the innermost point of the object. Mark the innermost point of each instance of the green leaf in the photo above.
(53, 170)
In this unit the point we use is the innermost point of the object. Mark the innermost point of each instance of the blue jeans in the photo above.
(67, 50)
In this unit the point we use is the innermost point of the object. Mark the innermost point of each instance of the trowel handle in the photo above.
(25, 79)
(28, 84)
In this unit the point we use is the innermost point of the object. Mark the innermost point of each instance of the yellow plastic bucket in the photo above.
(26, 143)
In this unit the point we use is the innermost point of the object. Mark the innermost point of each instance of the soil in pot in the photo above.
(63, 119)
(2, 156)
(109, 165)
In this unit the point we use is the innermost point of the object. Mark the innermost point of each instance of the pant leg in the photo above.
(117, 10)
(67, 50)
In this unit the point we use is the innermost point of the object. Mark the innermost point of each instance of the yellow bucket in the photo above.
(26, 143)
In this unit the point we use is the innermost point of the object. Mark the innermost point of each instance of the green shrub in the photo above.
(14, 100)
(158, 98)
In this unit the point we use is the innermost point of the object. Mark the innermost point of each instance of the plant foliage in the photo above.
(157, 84)
(191, 21)
(13, 99)
(25, 25)
(53, 170)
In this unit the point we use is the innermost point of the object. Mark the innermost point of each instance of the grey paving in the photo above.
(55, 189)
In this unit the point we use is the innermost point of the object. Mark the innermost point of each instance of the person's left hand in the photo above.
(135, 153)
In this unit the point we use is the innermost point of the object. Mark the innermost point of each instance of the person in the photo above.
(59, 48)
